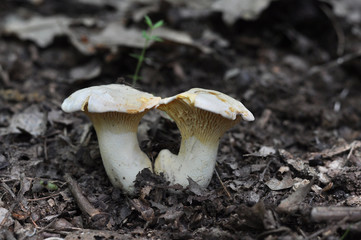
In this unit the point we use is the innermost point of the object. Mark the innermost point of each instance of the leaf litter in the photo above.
(298, 162)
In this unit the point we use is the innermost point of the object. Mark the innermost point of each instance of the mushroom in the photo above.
(115, 111)
(202, 117)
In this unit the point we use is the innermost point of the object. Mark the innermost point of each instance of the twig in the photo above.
(315, 234)
(34, 223)
(302, 232)
(4, 76)
(224, 187)
(7, 188)
(265, 117)
(47, 226)
(335, 213)
(97, 234)
(338, 30)
(46, 150)
(85, 136)
(328, 228)
(11, 208)
(273, 231)
(81, 200)
(43, 198)
(261, 177)
(333, 64)
(353, 146)
(328, 153)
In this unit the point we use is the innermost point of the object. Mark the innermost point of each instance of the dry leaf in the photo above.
(143, 208)
(292, 202)
(275, 184)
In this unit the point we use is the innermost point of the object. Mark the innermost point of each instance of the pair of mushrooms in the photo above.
(201, 115)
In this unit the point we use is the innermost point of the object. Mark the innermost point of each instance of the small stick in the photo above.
(224, 187)
(353, 146)
(333, 64)
(4, 76)
(331, 227)
(83, 203)
(11, 208)
(34, 223)
(8, 189)
(336, 26)
(335, 213)
(42, 198)
(272, 231)
(46, 150)
(47, 226)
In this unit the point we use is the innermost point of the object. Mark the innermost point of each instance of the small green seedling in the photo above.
(345, 233)
(147, 35)
(49, 185)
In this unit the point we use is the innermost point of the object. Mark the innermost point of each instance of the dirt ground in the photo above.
(293, 173)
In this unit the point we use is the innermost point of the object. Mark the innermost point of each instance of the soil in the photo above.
(293, 173)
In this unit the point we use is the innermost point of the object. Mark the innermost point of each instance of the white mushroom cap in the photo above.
(213, 101)
(109, 98)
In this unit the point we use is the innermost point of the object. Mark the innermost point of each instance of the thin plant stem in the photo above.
(148, 36)
(141, 59)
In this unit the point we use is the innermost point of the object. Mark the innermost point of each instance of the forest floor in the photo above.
(293, 173)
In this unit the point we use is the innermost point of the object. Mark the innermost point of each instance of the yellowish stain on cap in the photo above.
(232, 109)
(133, 111)
(85, 103)
(187, 97)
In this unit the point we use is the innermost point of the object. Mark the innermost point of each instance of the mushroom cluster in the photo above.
(201, 115)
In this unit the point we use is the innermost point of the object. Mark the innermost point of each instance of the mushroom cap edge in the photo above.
(213, 101)
(110, 98)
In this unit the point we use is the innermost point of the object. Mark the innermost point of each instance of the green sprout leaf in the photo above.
(134, 55)
(148, 21)
(158, 24)
(157, 39)
(145, 35)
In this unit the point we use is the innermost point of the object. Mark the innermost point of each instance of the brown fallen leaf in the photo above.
(144, 209)
(336, 150)
(275, 184)
(31, 120)
(145, 191)
(292, 202)
(257, 216)
(172, 214)
(41, 30)
(195, 188)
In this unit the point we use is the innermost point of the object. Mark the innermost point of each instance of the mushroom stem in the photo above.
(119, 148)
(195, 160)
(201, 131)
